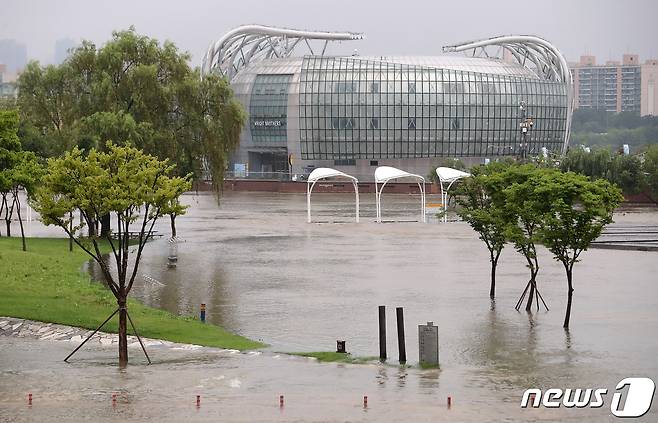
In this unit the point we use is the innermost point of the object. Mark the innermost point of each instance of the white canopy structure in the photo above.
(326, 173)
(383, 174)
(448, 176)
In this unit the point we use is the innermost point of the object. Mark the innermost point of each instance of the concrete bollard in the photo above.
(428, 345)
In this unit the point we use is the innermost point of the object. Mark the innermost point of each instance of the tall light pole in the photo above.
(525, 125)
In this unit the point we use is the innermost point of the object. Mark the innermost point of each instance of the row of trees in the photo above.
(115, 134)
(598, 127)
(526, 205)
(632, 173)
(132, 90)
(19, 171)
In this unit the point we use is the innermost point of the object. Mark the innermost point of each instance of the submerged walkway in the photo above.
(21, 328)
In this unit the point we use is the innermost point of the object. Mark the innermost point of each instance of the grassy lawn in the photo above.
(46, 284)
(334, 357)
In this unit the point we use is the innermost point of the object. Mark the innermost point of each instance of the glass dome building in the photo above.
(354, 112)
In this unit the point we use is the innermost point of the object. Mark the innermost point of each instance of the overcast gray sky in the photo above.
(606, 29)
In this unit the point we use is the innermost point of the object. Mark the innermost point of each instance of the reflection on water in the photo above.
(264, 273)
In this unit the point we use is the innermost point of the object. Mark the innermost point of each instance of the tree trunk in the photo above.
(532, 294)
(569, 297)
(123, 335)
(92, 228)
(2, 208)
(172, 218)
(8, 223)
(492, 289)
(20, 222)
(105, 225)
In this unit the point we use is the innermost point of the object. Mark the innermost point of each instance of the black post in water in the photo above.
(382, 333)
(401, 348)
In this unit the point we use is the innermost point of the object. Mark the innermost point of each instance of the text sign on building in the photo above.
(428, 344)
(267, 123)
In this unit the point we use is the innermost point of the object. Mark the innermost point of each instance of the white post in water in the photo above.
(172, 258)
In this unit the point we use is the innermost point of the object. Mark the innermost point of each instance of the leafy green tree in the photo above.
(132, 90)
(134, 187)
(626, 172)
(19, 170)
(578, 210)
(10, 147)
(650, 168)
(525, 213)
(475, 197)
(25, 176)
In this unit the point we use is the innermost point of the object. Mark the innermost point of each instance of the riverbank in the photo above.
(46, 284)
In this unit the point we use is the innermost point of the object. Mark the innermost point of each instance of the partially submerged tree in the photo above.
(525, 214)
(133, 187)
(478, 209)
(577, 211)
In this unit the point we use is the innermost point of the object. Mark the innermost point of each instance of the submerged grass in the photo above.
(46, 284)
(334, 357)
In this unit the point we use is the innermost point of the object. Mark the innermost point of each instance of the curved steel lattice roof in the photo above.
(534, 57)
(533, 53)
(240, 46)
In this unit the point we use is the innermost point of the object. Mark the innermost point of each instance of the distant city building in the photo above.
(625, 86)
(62, 47)
(650, 88)
(13, 54)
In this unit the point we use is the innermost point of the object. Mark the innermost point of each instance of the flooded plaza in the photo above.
(265, 273)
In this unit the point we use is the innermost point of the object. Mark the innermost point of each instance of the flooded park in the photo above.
(265, 273)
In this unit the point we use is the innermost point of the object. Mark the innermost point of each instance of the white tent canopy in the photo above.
(384, 174)
(327, 173)
(448, 176)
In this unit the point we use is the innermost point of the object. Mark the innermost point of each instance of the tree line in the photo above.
(525, 205)
(599, 127)
(114, 134)
(632, 173)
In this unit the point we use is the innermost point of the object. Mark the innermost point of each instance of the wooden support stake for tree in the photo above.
(92, 334)
(137, 335)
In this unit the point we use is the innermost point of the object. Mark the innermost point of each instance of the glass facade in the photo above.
(351, 108)
(268, 108)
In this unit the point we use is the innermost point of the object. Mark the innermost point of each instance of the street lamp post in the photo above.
(525, 125)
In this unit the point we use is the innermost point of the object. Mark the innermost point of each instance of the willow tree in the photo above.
(133, 90)
(577, 209)
(136, 188)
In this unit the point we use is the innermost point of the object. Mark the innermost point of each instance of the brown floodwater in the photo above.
(266, 274)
